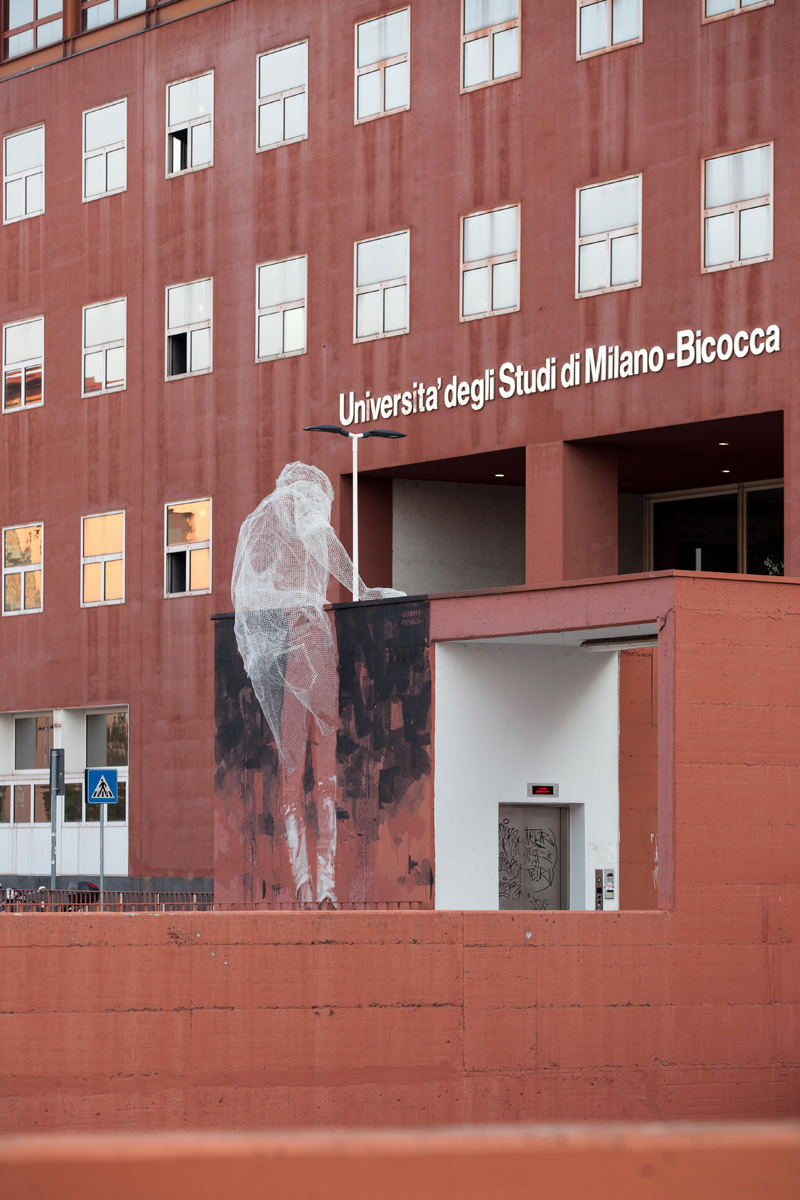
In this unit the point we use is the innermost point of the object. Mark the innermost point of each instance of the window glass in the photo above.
(107, 739)
(73, 802)
(754, 232)
(189, 303)
(479, 14)
(594, 27)
(382, 258)
(489, 234)
(281, 70)
(102, 535)
(625, 23)
(24, 151)
(32, 742)
(190, 99)
(23, 546)
(24, 340)
(384, 38)
(104, 126)
(5, 804)
(282, 282)
(188, 523)
(105, 322)
(731, 178)
(609, 206)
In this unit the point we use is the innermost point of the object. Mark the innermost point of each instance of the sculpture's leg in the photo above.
(295, 826)
(326, 838)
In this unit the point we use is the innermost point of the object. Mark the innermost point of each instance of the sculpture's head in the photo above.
(307, 483)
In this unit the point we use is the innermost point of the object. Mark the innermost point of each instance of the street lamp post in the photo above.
(355, 438)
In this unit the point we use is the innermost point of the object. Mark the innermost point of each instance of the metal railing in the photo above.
(29, 900)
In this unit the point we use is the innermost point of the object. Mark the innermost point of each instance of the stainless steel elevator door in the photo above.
(533, 856)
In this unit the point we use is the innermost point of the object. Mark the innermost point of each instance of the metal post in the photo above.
(56, 790)
(355, 437)
(102, 850)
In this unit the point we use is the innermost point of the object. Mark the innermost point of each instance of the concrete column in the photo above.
(791, 495)
(571, 512)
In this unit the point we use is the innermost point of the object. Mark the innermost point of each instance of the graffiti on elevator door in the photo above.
(527, 859)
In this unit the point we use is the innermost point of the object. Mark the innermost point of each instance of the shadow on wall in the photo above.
(383, 766)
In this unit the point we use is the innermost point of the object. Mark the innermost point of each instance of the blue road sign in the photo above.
(101, 785)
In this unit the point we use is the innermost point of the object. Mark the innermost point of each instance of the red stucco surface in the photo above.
(700, 1162)
(688, 90)
(247, 1020)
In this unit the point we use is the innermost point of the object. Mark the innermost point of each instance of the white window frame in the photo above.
(22, 570)
(381, 285)
(23, 365)
(381, 66)
(279, 97)
(103, 348)
(110, 148)
(24, 175)
(610, 45)
(86, 560)
(608, 237)
(737, 6)
(736, 208)
(285, 306)
(490, 31)
(189, 329)
(187, 547)
(192, 123)
(488, 263)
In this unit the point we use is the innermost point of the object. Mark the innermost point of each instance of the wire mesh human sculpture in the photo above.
(286, 553)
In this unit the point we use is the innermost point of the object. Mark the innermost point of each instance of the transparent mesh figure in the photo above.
(286, 553)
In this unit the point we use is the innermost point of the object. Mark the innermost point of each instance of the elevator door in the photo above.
(533, 856)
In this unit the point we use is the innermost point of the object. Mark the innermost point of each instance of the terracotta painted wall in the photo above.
(700, 1162)
(638, 778)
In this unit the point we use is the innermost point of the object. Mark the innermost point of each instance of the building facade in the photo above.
(552, 244)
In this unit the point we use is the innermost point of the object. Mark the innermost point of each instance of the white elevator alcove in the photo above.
(518, 710)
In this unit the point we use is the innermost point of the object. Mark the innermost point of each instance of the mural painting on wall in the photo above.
(317, 751)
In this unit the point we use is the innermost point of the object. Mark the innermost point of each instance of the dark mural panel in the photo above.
(384, 801)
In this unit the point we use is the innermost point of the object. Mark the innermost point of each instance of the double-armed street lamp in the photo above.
(355, 438)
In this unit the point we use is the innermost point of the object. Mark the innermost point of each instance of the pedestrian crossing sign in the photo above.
(101, 785)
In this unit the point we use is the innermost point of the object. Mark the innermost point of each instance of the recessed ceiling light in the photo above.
(499, 476)
(723, 443)
(725, 471)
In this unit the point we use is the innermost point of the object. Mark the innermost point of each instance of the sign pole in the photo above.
(102, 850)
(56, 789)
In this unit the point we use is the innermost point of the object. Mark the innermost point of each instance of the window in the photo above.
(281, 308)
(382, 286)
(490, 263)
(104, 347)
(22, 569)
(188, 550)
(382, 67)
(725, 8)
(282, 96)
(737, 220)
(24, 788)
(608, 24)
(31, 24)
(490, 42)
(609, 224)
(23, 358)
(102, 560)
(189, 328)
(190, 107)
(732, 530)
(32, 741)
(105, 132)
(23, 174)
(102, 12)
